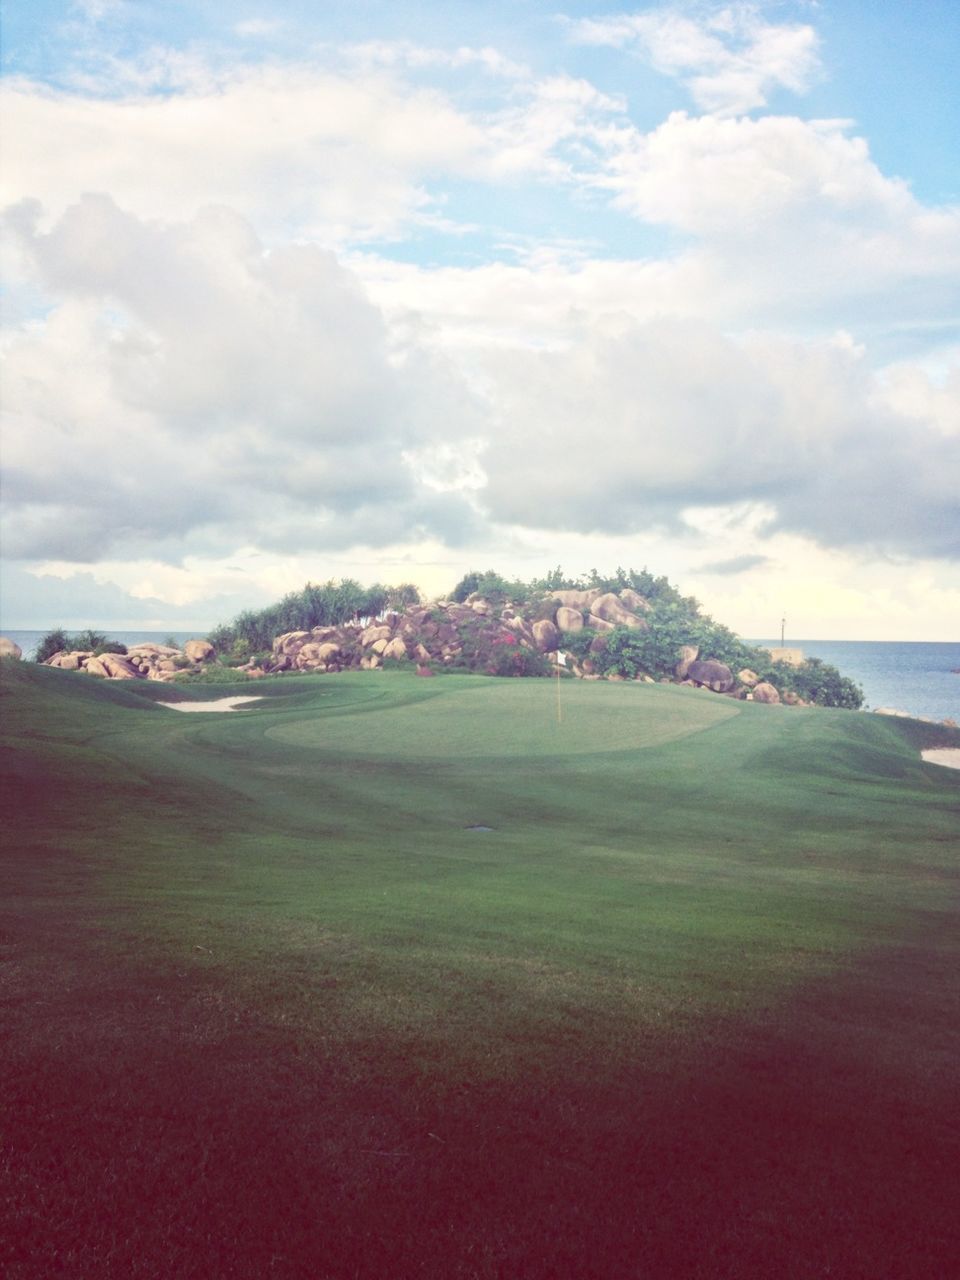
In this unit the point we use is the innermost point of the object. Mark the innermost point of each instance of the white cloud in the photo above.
(298, 151)
(730, 58)
(188, 386)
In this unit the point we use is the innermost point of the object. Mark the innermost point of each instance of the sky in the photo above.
(394, 291)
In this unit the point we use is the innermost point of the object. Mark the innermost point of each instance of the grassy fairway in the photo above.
(275, 1007)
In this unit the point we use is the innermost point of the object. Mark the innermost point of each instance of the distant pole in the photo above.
(561, 662)
(783, 627)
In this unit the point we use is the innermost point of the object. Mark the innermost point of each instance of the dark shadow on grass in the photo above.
(154, 1127)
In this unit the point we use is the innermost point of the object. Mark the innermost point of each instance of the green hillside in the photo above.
(384, 976)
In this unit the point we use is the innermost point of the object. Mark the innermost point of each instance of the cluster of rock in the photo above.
(445, 631)
(140, 662)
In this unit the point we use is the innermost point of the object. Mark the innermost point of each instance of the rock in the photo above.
(480, 606)
(790, 698)
(118, 667)
(94, 667)
(545, 635)
(395, 649)
(748, 677)
(200, 650)
(599, 624)
(147, 650)
(9, 648)
(712, 675)
(611, 609)
(289, 643)
(422, 652)
(328, 650)
(380, 645)
(569, 619)
(634, 601)
(765, 692)
(577, 599)
(689, 653)
(373, 634)
(68, 661)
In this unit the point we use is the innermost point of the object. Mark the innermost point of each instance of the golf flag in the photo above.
(561, 659)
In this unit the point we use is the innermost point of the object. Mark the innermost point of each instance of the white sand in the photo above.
(949, 757)
(221, 704)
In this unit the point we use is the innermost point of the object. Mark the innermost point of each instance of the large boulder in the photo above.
(290, 642)
(689, 653)
(712, 675)
(569, 619)
(596, 623)
(612, 609)
(96, 667)
(748, 677)
(765, 692)
(577, 599)
(199, 651)
(373, 634)
(395, 649)
(634, 601)
(9, 648)
(545, 635)
(119, 667)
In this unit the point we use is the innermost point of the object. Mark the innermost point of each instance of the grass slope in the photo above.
(687, 1008)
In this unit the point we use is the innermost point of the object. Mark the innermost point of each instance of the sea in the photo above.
(918, 677)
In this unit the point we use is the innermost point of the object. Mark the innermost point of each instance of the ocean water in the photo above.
(917, 677)
(29, 640)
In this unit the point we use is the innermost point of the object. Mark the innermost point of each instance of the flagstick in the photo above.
(559, 708)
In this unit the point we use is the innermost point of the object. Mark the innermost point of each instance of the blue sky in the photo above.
(299, 291)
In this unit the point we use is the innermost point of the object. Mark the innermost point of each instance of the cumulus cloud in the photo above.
(672, 414)
(729, 58)
(188, 385)
(296, 150)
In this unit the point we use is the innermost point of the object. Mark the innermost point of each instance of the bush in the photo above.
(53, 642)
(85, 641)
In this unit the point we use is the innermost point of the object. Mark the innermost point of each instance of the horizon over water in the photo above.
(916, 676)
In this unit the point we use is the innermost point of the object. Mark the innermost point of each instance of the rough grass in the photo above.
(688, 1008)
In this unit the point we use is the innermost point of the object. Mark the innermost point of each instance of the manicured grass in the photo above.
(688, 1007)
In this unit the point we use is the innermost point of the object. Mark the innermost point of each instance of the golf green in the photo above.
(388, 976)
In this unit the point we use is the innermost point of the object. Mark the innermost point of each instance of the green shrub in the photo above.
(84, 641)
(53, 642)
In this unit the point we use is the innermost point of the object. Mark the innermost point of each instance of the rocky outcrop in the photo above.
(141, 661)
(9, 648)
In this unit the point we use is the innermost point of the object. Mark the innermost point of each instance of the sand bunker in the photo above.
(221, 704)
(949, 757)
